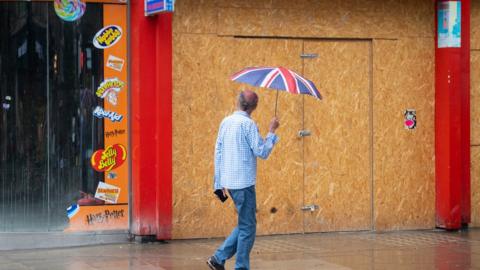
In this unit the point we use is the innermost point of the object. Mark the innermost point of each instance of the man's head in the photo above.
(247, 101)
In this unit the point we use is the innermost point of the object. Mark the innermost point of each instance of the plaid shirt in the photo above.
(239, 143)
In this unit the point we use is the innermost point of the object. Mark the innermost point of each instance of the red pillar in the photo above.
(452, 127)
(151, 122)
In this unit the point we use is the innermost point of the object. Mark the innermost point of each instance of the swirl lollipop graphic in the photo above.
(69, 10)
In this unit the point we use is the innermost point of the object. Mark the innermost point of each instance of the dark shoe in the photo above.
(214, 265)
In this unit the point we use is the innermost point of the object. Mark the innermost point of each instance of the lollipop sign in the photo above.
(69, 10)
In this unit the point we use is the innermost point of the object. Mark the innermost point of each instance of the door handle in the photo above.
(310, 208)
(304, 133)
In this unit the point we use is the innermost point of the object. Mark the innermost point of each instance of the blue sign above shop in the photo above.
(158, 6)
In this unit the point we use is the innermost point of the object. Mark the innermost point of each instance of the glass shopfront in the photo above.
(63, 117)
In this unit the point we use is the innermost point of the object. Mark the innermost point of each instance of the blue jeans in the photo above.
(242, 237)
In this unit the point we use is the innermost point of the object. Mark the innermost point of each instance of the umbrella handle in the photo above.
(276, 101)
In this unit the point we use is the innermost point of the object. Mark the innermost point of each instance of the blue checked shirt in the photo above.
(239, 143)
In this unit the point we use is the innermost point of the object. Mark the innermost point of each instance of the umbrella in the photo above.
(278, 78)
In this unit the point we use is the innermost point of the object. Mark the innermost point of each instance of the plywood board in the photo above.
(404, 180)
(475, 186)
(475, 97)
(337, 154)
(202, 96)
(193, 16)
(338, 19)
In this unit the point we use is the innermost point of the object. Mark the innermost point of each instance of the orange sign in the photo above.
(105, 160)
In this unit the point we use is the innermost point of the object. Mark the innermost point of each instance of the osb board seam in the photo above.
(327, 22)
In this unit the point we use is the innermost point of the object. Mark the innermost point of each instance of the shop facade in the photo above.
(114, 116)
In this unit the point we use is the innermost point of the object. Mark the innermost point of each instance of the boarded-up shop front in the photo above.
(360, 168)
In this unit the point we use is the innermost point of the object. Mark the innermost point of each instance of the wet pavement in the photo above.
(360, 250)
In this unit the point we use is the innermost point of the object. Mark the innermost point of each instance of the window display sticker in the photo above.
(112, 175)
(107, 36)
(72, 210)
(99, 112)
(107, 192)
(449, 24)
(69, 10)
(115, 63)
(109, 89)
(114, 133)
(105, 160)
(410, 120)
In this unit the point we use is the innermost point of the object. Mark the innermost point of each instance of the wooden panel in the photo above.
(403, 159)
(337, 155)
(340, 19)
(190, 16)
(475, 24)
(203, 95)
(475, 132)
(475, 97)
(475, 186)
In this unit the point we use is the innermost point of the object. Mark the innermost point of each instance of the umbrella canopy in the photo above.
(279, 78)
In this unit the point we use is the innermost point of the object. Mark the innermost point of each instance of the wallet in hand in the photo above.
(222, 197)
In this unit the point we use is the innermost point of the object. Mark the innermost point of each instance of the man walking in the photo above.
(238, 145)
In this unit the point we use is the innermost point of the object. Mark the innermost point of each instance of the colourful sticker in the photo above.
(112, 175)
(69, 10)
(99, 112)
(115, 63)
(107, 192)
(410, 120)
(109, 89)
(107, 36)
(105, 160)
(72, 210)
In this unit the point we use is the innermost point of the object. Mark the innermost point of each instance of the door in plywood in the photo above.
(337, 155)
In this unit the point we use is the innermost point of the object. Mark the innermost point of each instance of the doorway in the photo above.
(321, 181)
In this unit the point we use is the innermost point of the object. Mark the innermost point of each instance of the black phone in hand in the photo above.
(222, 197)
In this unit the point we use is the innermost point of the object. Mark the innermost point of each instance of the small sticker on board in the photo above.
(410, 119)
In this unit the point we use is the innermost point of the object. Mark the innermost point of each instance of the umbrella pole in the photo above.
(276, 101)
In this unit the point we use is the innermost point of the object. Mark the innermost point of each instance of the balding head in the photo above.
(247, 101)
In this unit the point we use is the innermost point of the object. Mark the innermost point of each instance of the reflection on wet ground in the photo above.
(360, 250)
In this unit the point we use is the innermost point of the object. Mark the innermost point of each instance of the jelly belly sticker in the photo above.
(99, 112)
(72, 210)
(115, 63)
(105, 160)
(107, 192)
(109, 89)
(107, 36)
(69, 10)
(410, 120)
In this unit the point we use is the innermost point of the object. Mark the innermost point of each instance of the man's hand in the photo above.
(274, 124)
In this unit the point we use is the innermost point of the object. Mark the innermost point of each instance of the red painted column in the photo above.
(151, 122)
(452, 128)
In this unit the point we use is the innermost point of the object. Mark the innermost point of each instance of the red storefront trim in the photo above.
(151, 122)
(452, 128)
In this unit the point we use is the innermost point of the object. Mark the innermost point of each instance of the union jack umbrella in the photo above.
(278, 78)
